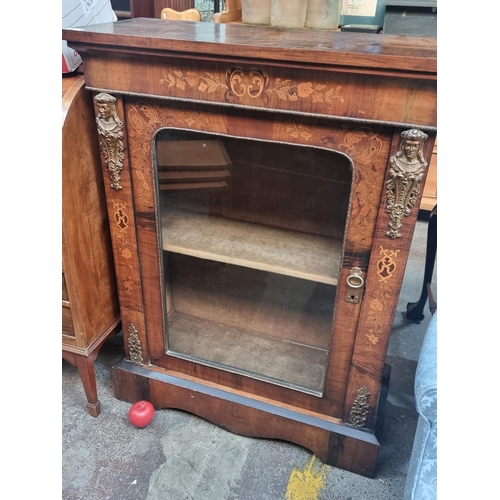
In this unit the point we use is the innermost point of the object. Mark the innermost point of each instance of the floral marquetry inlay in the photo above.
(296, 131)
(254, 83)
(365, 148)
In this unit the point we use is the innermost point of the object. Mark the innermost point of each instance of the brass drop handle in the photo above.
(355, 284)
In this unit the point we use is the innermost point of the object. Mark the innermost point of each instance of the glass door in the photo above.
(252, 235)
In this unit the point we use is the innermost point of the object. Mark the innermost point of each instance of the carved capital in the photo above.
(406, 171)
(110, 133)
(134, 345)
(360, 408)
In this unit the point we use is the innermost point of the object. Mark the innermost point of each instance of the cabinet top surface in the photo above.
(355, 50)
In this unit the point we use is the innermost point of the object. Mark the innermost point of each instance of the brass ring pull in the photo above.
(355, 281)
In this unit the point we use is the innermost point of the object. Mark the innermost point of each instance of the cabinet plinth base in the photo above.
(334, 443)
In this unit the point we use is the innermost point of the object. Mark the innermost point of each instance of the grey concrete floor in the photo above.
(180, 456)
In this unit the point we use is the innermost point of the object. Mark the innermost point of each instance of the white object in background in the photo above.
(288, 13)
(359, 8)
(76, 13)
(256, 12)
(323, 14)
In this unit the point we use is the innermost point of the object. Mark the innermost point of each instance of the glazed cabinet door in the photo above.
(246, 244)
(251, 240)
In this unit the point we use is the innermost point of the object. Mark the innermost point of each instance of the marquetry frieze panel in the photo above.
(331, 92)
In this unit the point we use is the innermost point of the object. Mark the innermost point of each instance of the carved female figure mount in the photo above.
(110, 132)
(406, 171)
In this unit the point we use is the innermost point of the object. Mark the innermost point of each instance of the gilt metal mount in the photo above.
(406, 171)
(360, 408)
(110, 132)
(134, 345)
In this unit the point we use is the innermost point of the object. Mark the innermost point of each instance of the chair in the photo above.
(421, 481)
(415, 310)
(230, 14)
(185, 15)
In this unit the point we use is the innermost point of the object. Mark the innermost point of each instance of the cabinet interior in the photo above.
(252, 236)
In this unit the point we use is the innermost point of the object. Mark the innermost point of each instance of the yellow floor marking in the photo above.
(306, 484)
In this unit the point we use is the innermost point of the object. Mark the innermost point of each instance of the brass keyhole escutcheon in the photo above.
(355, 284)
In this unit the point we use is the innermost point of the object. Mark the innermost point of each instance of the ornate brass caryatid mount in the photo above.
(110, 131)
(360, 408)
(134, 345)
(406, 171)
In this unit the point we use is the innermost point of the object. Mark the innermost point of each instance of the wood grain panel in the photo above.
(87, 256)
(67, 322)
(349, 50)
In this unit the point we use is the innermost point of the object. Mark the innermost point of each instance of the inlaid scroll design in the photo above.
(240, 84)
(110, 133)
(134, 345)
(406, 171)
(386, 266)
(254, 83)
(378, 302)
(360, 408)
(121, 219)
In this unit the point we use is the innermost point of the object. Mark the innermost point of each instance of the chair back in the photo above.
(185, 15)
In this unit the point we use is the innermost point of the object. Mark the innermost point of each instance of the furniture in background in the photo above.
(230, 14)
(421, 482)
(415, 17)
(126, 9)
(263, 201)
(185, 15)
(415, 310)
(429, 197)
(410, 17)
(90, 311)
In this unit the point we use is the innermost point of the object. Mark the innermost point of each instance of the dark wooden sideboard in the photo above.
(263, 186)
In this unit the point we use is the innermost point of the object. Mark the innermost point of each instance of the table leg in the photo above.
(87, 374)
(415, 310)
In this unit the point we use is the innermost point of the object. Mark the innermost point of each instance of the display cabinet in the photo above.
(263, 186)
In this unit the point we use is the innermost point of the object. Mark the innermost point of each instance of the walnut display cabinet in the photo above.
(263, 186)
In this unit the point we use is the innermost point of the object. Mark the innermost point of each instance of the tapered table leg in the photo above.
(415, 310)
(87, 374)
(85, 365)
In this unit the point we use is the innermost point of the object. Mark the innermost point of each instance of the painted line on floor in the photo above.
(308, 483)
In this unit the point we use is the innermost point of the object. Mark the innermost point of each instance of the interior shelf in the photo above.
(287, 363)
(291, 253)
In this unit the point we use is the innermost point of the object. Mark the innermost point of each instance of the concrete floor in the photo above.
(180, 456)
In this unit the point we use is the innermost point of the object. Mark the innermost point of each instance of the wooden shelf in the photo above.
(301, 255)
(193, 153)
(212, 343)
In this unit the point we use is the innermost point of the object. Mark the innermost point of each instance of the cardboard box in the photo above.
(77, 13)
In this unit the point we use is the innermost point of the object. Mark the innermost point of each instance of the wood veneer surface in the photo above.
(307, 256)
(360, 50)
